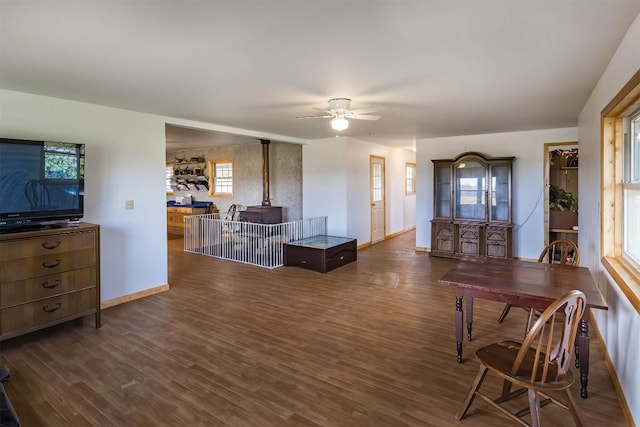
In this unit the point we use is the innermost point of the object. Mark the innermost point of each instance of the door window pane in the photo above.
(376, 187)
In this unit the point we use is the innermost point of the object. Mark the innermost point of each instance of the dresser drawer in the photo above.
(16, 249)
(340, 258)
(44, 265)
(50, 310)
(14, 293)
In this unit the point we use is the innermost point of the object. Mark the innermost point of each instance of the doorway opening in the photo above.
(561, 191)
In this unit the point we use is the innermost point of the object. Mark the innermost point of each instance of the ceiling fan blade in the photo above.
(323, 110)
(365, 117)
(314, 117)
(364, 110)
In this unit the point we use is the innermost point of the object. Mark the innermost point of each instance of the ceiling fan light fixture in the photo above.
(339, 123)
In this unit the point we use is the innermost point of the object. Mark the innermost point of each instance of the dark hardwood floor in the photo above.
(368, 344)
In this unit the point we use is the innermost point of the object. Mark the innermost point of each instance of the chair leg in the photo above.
(506, 388)
(573, 408)
(534, 407)
(530, 322)
(505, 311)
(472, 392)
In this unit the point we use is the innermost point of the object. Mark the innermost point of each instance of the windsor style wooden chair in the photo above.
(539, 365)
(557, 252)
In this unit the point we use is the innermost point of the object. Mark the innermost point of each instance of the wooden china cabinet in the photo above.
(472, 207)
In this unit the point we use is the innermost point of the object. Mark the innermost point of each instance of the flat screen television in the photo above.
(41, 183)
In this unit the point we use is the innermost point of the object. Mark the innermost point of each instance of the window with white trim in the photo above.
(410, 179)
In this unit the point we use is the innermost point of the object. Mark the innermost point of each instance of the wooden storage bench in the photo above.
(321, 253)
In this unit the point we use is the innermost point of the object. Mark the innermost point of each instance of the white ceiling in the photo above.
(433, 68)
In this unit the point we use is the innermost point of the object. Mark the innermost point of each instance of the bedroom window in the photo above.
(221, 171)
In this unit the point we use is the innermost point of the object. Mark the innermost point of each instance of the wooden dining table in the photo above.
(524, 284)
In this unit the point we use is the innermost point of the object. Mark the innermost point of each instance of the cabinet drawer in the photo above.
(340, 258)
(47, 311)
(298, 256)
(14, 293)
(498, 242)
(497, 234)
(187, 211)
(44, 265)
(15, 249)
(179, 210)
(175, 218)
(470, 239)
(496, 250)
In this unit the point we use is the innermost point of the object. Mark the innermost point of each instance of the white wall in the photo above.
(527, 186)
(324, 183)
(620, 325)
(338, 170)
(125, 157)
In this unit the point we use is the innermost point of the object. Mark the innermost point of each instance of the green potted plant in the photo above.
(563, 208)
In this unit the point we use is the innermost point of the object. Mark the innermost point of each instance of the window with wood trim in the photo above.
(410, 179)
(221, 177)
(631, 191)
(620, 186)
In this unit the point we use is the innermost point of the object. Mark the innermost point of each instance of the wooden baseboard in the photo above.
(388, 236)
(364, 245)
(397, 233)
(612, 371)
(422, 249)
(133, 296)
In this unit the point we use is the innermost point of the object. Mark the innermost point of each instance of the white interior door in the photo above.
(377, 199)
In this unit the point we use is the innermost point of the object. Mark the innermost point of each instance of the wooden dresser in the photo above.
(48, 277)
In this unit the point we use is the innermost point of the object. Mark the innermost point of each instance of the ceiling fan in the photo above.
(340, 111)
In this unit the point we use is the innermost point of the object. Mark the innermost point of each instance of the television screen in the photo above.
(40, 182)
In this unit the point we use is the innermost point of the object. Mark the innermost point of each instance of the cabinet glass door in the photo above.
(500, 193)
(442, 190)
(471, 189)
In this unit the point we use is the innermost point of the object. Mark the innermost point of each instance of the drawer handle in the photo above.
(50, 309)
(53, 245)
(55, 284)
(46, 264)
